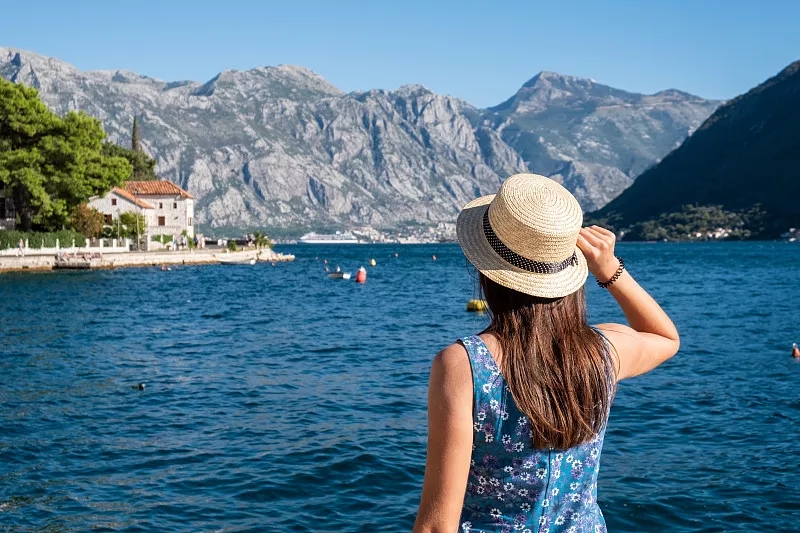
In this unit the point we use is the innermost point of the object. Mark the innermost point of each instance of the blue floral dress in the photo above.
(513, 487)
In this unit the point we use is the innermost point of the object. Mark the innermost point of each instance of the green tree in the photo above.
(132, 225)
(261, 240)
(136, 145)
(50, 164)
(87, 221)
(144, 167)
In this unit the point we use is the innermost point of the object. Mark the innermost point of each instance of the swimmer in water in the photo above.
(795, 351)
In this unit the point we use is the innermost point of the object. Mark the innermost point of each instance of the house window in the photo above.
(108, 220)
(190, 221)
(113, 201)
(160, 205)
(174, 205)
(162, 221)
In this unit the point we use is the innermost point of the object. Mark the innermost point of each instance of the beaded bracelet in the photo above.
(615, 277)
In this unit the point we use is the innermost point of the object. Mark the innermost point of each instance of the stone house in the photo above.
(119, 201)
(8, 217)
(173, 207)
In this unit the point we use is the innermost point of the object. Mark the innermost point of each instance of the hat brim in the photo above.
(469, 231)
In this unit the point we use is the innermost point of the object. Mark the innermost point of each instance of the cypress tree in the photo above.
(135, 144)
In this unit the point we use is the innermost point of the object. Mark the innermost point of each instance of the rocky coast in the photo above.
(43, 262)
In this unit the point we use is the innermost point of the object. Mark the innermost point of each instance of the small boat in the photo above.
(338, 274)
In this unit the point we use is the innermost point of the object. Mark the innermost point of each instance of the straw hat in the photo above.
(524, 237)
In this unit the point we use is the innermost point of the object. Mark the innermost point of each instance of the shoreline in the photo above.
(44, 263)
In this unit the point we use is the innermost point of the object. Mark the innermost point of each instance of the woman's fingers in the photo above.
(594, 230)
(590, 237)
(604, 231)
(583, 244)
(604, 242)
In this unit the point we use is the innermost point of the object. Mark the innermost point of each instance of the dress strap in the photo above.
(484, 368)
(487, 382)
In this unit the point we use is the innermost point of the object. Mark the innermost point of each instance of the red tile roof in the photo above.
(155, 188)
(128, 196)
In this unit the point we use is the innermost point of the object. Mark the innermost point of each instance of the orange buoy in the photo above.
(361, 275)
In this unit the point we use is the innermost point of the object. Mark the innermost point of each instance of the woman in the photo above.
(517, 414)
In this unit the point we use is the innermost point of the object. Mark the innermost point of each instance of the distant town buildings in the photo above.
(442, 232)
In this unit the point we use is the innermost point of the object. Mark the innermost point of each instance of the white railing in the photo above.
(104, 246)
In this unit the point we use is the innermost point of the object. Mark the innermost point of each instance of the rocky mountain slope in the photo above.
(746, 153)
(281, 147)
(593, 138)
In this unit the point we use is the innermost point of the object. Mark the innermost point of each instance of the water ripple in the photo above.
(279, 400)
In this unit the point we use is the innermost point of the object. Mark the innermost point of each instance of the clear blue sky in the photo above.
(479, 51)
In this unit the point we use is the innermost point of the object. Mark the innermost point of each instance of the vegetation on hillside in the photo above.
(740, 171)
(693, 222)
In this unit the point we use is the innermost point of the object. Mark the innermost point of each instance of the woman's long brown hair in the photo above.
(558, 369)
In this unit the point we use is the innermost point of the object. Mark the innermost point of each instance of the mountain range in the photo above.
(280, 147)
(746, 156)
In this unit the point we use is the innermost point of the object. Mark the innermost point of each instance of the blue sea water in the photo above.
(279, 400)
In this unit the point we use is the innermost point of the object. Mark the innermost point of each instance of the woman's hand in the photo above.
(597, 245)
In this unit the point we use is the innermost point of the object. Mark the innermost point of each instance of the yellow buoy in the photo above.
(372, 262)
(477, 306)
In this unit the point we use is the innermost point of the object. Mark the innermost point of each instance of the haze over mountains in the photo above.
(282, 147)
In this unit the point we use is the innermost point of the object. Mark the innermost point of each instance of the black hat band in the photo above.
(513, 258)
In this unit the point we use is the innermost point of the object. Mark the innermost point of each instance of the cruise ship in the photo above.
(323, 238)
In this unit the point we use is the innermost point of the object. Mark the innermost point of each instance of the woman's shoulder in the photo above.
(452, 357)
(457, 354)
(451, 375)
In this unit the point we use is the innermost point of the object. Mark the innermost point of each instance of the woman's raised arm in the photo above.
(651, 337)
